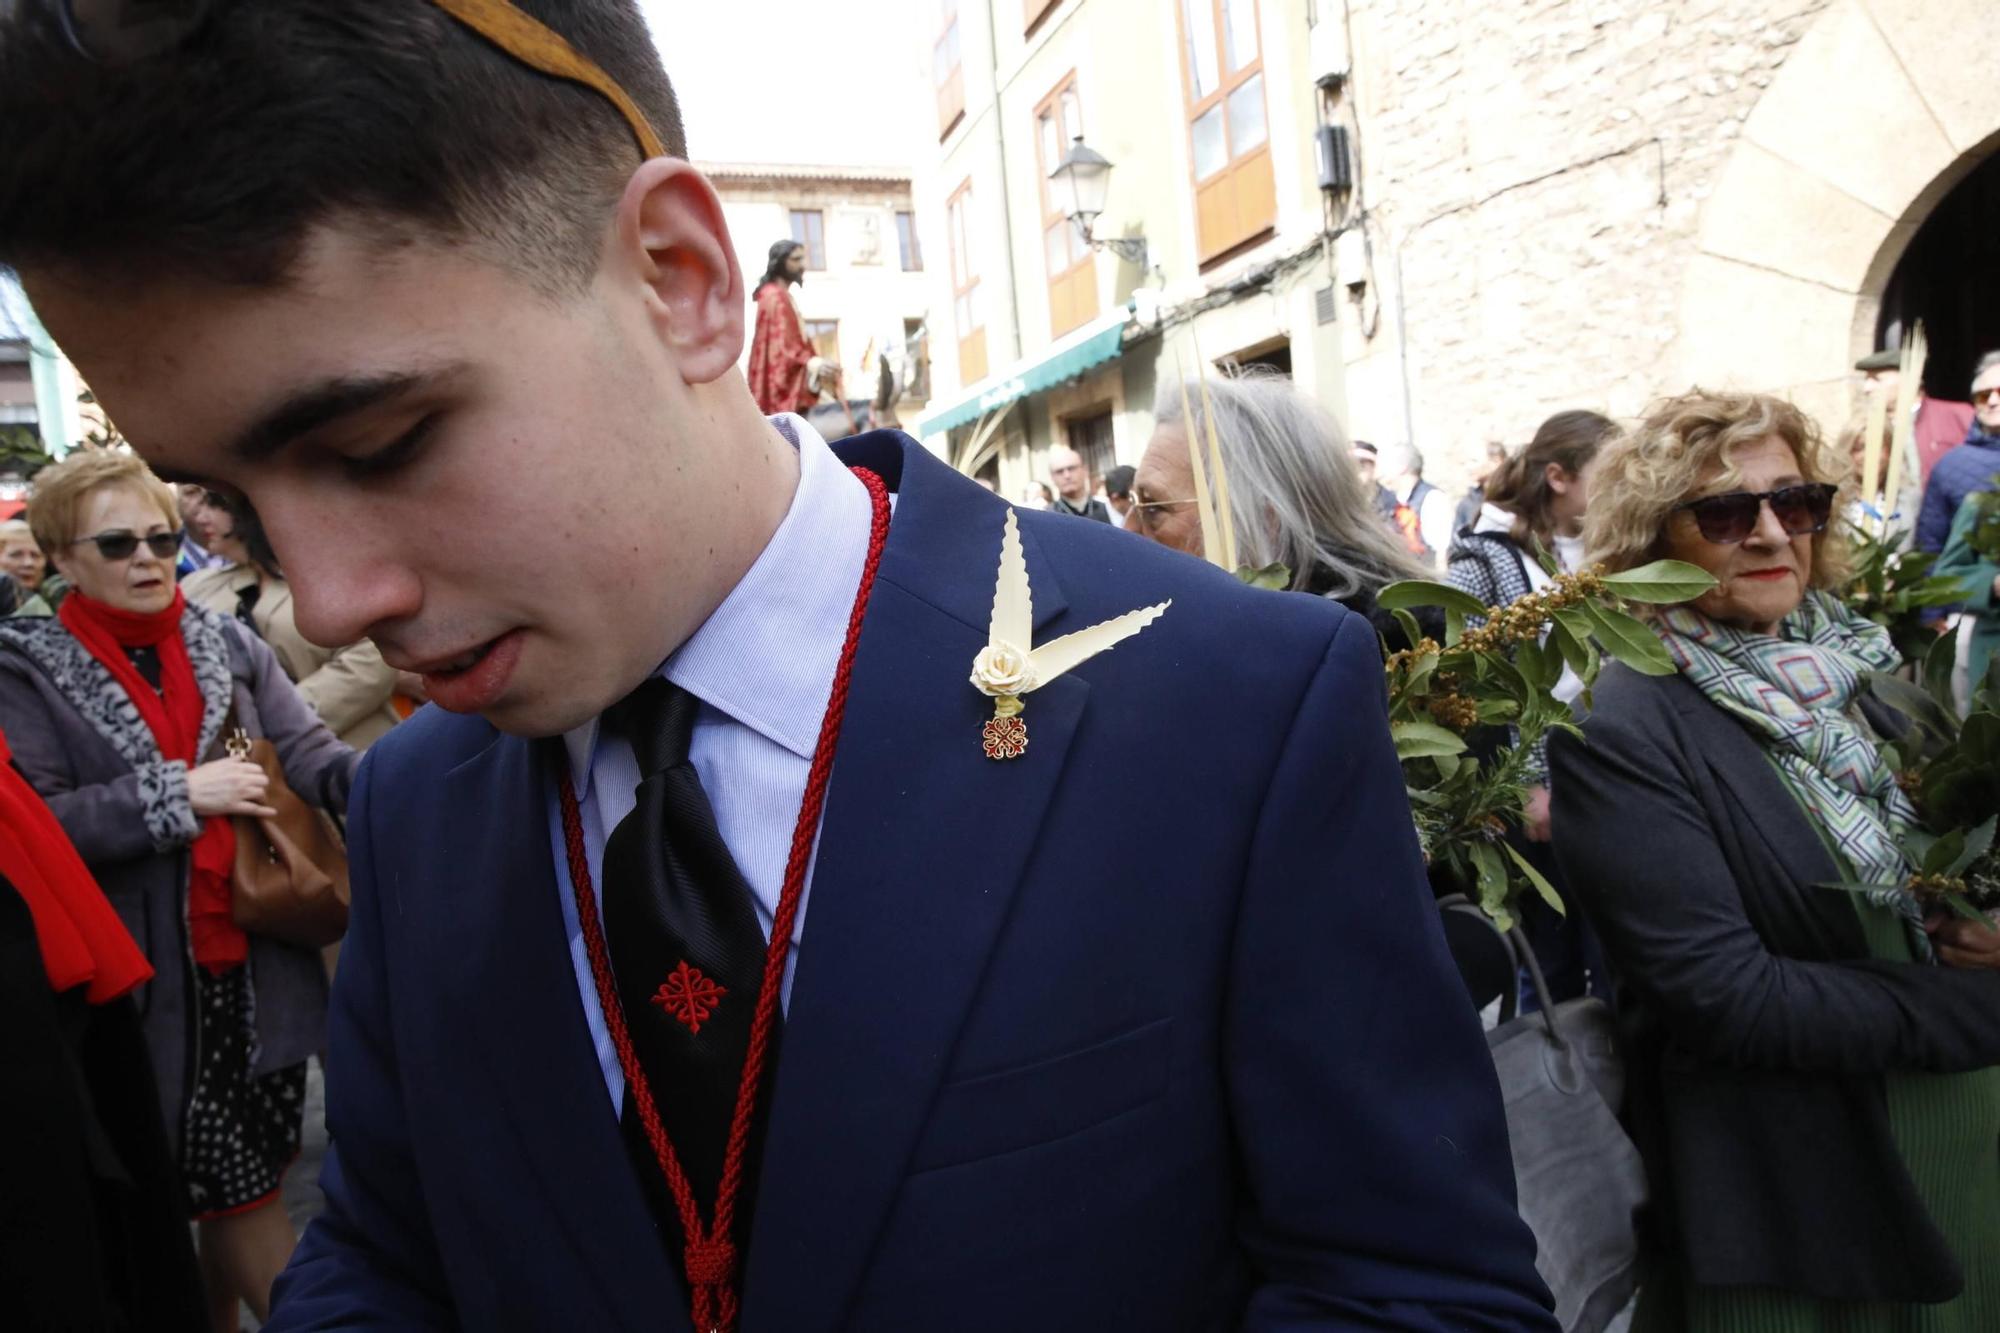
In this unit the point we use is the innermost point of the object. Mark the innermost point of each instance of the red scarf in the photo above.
(82, 940)
(173, 714)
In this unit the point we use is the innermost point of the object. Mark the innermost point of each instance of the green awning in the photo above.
(1091, 345)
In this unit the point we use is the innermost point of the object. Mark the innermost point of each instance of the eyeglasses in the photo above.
(1989, 395)
(1728, 519)
(120, 32)
(1148, 509)
(122, 545)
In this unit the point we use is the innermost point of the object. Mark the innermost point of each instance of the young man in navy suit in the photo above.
(722, 954)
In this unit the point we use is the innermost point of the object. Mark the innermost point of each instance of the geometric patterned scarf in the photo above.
(1796, 690)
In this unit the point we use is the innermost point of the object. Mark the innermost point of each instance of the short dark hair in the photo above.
(215, 160)
(1118, 481)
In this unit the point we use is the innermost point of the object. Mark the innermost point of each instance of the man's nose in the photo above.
(347, 576)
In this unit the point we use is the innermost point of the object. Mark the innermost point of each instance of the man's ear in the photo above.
(670, 225)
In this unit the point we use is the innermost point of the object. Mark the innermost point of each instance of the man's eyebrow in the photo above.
(321, 404)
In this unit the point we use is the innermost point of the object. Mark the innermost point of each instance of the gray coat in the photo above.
(78, 739)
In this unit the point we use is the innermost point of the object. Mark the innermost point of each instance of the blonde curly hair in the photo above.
(1642, 476)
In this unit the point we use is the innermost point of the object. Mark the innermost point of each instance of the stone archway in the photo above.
(1884, 107)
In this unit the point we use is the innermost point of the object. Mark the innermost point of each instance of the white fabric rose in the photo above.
(1001, 669)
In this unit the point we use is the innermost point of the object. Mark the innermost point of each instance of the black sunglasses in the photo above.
(121, 545)
(1728, 519)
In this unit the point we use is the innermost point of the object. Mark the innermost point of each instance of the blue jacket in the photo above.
(1968, 468)
(1152, 1029)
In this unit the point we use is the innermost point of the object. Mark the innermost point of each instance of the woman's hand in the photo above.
(229, 787)
(1964, 943)
(1535, 814)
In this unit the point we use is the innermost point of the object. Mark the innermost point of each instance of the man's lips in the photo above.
(472, 680)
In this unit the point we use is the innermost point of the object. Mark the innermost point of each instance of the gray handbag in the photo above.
(1579, 1179)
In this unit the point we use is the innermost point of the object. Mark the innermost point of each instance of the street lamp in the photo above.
(1082, 180)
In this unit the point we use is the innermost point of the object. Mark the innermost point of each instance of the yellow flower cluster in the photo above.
(1933, 888)
(1525, 617)
(1453, 710)
(1398, 661)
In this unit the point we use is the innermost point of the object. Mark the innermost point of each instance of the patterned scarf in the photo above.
(1796, 692)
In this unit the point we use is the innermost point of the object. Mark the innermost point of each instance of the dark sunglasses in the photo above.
(1728, 519)
(121, 545)
(119, 32)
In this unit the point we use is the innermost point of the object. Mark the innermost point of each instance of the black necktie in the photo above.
(686, 950)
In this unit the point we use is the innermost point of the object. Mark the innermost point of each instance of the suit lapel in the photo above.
(503, 938)
(922, 846)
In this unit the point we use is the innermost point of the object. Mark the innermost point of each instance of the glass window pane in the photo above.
(1198, 19)
(1209, 154)
(1239, 32)
(977, 307)
(1072, 116)
(964, 315)
(1246, 116)
(1079, 249)
(1052, 145)
(1055, 246)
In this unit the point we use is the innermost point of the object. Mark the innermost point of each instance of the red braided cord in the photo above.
(710, 1260)
(804, 833)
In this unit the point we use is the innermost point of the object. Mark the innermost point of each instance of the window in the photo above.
(916, 348)
(1072, 275)
(1222, 72)
(906, 242)
(824, 335)
(809, 230)
(947, 69)
(1092, 439)
(1035, 11)
(968, 311)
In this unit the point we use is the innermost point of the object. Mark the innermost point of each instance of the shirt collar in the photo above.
(766, 657)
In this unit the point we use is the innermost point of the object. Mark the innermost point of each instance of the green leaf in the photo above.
(1275, 576)
(1915, 704)
(1421, 670)
(1977, 843)
(1413, 633)
(1663, 582)
(1939, 664)
(1577, 652)
(1492, 873)
(1536, 878)
(1423, 592)
(1540, 667)
(1425, 740)
(1447, 765)
(1856, 886)
(1629, 641)
(1498, 710)
(1944, 853)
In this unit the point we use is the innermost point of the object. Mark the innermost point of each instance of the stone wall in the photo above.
(1535, 171)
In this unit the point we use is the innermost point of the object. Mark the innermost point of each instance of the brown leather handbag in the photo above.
(290, 879)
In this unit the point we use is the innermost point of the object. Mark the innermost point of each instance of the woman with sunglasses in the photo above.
(115, 710)
(1810, 1071)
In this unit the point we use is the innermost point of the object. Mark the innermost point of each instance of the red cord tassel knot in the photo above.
(710, 1263)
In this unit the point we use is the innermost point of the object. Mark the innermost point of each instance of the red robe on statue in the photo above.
(779, 354)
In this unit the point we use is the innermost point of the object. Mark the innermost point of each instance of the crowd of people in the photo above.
(582, 1048)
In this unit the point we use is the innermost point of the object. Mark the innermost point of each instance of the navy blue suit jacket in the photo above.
(1152, 1029)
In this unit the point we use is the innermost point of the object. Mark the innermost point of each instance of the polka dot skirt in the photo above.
(241, 1131)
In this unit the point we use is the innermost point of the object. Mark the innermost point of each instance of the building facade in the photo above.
(1593, 205)
(865, 292)
(1554, 205)
(1207, 111)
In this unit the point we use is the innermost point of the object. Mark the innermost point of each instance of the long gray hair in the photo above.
(1294, 493)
